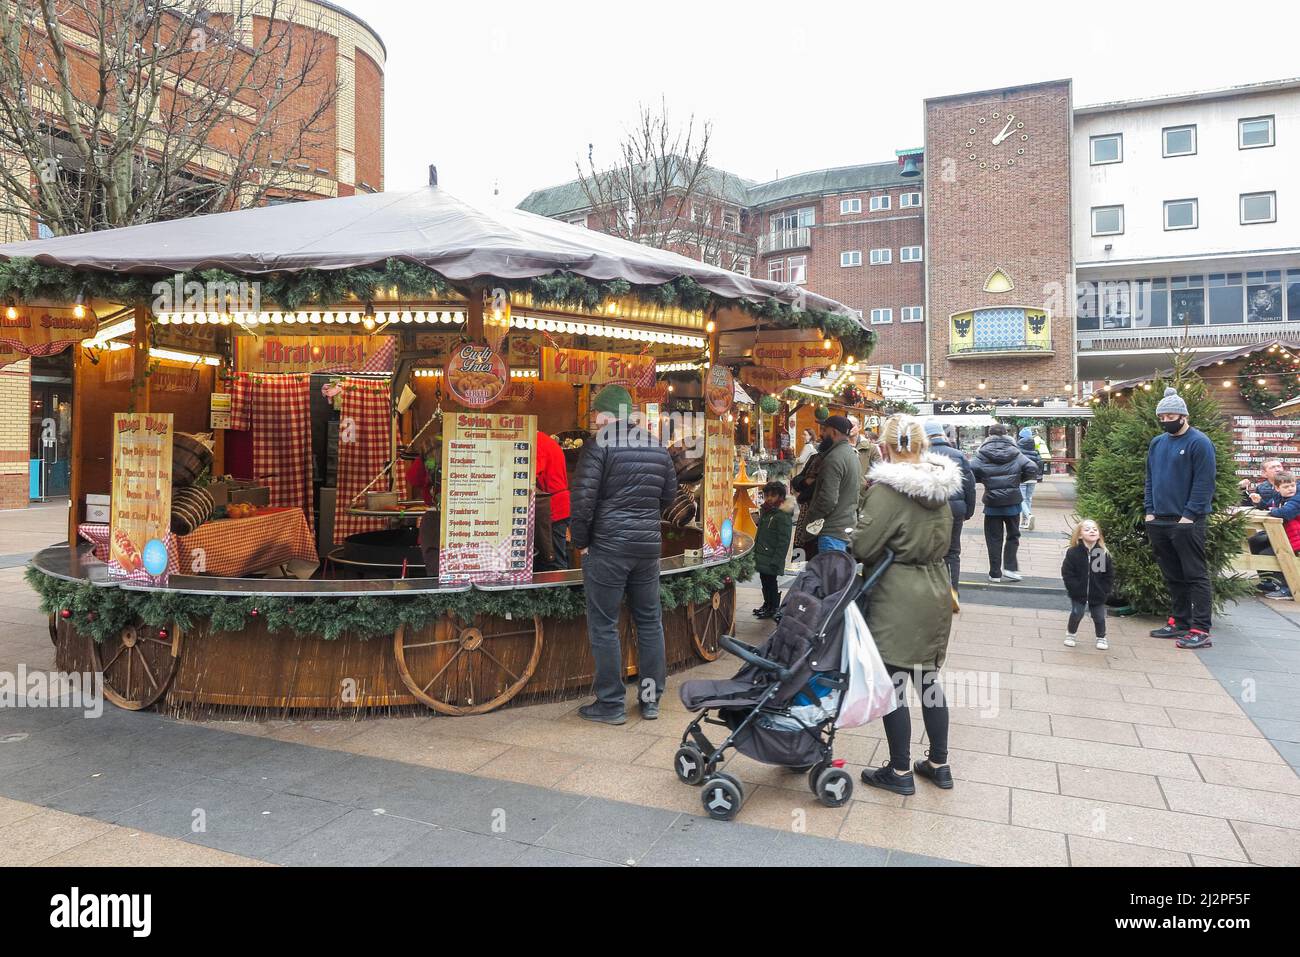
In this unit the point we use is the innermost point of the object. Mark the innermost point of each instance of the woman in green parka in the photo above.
(771, 544)
(910, 613)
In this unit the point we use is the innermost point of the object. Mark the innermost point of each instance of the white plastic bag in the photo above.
(871, 693)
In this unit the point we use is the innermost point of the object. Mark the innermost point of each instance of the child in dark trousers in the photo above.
(1089, 574)
(1288, 509)
(770, 545)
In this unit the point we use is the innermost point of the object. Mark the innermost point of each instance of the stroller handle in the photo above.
(870, 582)
(743, 652)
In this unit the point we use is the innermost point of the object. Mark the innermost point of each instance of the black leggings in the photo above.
(1079, 608)
(898, 723)
(771, 593)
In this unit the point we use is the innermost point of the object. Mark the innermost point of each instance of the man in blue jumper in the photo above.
(1179, 497)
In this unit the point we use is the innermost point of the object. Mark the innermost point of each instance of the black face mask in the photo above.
(1172, 427)
(825, 444)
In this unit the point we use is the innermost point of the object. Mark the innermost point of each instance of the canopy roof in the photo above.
(428, 226)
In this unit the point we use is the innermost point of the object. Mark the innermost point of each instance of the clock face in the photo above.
(996, 141)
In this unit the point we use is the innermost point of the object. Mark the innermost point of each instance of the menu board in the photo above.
(716, 491)
(1257, 440)
(142, 487)
(488, 475)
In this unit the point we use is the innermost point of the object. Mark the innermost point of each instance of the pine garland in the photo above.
(101, 612)
(26, 279)
(1259, 397)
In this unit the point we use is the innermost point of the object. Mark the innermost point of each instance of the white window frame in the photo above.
(578, 221)
(909, 254)
(1272, 205)
(886, 316)
(882, 257)
(701, 213)
(1107, 232)
(879, 203)
(914, 368)
(913, 314)
(801, 263)
(850, 206)
(1092, 148)
(1164, 140)
(850, 257)
(1272, 132)
(1196, 213)
(743, 265)
(907, 200)
(734, 225)
(776, 270)
(776, 221)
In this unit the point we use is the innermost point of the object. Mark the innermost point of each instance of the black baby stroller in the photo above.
(782, 706)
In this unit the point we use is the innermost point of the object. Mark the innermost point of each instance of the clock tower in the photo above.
(999, 265)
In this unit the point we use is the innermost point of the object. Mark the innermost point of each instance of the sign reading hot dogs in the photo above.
(477, 376)
(142, 486)
(577, 366)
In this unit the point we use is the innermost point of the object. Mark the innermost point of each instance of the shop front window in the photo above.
(1264, 296)
(1187, 301)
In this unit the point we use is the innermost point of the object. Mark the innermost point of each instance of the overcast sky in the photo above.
(506, 95)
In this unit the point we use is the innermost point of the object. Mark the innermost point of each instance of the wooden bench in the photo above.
(1284, 561)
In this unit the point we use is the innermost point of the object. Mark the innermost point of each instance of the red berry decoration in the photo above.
(727, 580)
(162, 633)
(65, 614)
(254, 612)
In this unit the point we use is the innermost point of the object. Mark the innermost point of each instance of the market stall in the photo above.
(306, 448)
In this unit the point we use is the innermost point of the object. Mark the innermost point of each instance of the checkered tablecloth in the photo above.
(231, 547)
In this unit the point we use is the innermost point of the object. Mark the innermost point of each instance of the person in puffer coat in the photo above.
(623, 482)
(910, 612)
(1003, 468)
(1028, 444)
(962, 501)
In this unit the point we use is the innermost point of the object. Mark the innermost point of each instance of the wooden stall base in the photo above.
(451, 667)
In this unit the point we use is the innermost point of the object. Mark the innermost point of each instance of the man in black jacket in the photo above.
(1002, 467)
(624, 481)
(962, 501)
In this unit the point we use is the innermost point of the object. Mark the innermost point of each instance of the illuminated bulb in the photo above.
(851, 360)
(1259, 381)
(1024, 385)
(79, 311)
(982, 384)
(826, 343)
(407, 317)
(368, 322)
(1226, 384)
(709, 327)
(12, 313)
(942, 383)
(329, 319)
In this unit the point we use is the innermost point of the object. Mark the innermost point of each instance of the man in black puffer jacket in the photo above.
(624, 481)
(961, 502)
(1002, 467)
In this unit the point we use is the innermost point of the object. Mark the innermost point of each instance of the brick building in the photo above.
(999, 283)
(855, 234)
(347, 158)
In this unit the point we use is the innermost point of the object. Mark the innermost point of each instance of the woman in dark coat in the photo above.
(910, 614)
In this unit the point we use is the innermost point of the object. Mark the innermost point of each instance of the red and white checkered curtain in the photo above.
(279, 407)
(241, 403)
(364, 448)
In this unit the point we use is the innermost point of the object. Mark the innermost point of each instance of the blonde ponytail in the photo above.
(904, 436)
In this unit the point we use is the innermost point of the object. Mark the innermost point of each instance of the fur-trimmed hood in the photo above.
(930, 482)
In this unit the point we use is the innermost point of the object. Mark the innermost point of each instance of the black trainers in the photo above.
(589, 712)
(1195, 639)
(940, 776)
(1169, 630)
(885, 779)
(764, 612)
(649, 710)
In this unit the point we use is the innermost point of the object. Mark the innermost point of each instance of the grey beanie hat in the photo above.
(1172, 403)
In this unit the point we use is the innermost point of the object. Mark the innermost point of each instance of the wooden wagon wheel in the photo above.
(710, 621)
(468, 670)
(137, 664)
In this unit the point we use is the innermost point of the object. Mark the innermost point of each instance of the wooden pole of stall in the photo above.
(75, 495)
(474, 314)
(140, 361)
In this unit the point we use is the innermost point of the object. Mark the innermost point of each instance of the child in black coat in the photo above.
(1089, 574)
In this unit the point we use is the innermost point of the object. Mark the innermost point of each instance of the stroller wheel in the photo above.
(815, 772)
(834, 787)
(722, 797)
(689, 764)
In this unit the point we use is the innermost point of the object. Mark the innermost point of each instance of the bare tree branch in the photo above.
(115, 112)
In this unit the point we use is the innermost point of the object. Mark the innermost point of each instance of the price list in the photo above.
(487, 504)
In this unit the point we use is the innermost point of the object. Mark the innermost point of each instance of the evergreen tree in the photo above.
(1111, 490)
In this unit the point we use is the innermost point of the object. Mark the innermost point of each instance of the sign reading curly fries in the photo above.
(477, 376)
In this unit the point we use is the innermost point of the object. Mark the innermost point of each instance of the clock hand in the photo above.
(1003, 135)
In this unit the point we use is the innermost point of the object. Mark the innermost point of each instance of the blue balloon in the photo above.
(155, 557)
(725, 533)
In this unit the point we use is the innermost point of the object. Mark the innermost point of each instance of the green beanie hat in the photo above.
(613, 399)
